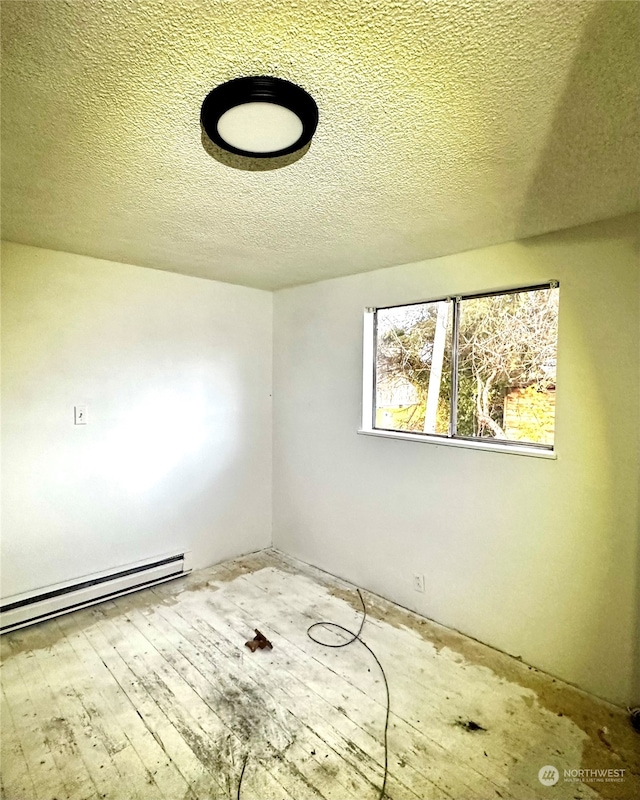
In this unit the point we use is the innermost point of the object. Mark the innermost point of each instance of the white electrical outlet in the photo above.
(80, 415)
(418, 583)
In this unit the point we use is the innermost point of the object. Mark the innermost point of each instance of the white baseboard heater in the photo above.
(51, 601)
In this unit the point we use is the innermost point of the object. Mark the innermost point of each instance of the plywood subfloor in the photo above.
(154, 696)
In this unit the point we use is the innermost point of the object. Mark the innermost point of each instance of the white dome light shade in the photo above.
(260, 127)
(258, 122)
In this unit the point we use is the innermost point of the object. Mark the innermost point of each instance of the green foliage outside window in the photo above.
(505, 342)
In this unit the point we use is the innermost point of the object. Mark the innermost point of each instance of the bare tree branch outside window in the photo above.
(506, 366)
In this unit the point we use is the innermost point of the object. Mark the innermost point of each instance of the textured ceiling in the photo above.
(444, 126)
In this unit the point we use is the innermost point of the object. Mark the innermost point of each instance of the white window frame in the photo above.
(447, 440)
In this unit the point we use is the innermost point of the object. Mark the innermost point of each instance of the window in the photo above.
(474, 368)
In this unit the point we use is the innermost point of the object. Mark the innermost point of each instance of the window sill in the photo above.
(514, 450)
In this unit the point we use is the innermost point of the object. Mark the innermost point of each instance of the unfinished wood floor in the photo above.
(154, 696)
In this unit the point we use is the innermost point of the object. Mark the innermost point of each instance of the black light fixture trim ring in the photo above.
(259, 89)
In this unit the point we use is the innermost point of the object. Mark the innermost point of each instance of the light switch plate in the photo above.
(80, 415)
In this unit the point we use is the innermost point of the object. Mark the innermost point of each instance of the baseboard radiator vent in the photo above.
(51, 601)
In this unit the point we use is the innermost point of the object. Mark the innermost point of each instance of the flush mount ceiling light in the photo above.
(258, 122)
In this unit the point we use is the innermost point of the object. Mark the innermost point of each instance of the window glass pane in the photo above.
(507, 349)
(413, 368)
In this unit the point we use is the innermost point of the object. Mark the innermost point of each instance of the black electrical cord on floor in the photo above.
(354, 637)
(244, 766)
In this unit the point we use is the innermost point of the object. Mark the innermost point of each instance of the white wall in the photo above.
(176, 374)
(539, 558)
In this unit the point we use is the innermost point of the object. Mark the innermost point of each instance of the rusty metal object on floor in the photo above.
(258, 641)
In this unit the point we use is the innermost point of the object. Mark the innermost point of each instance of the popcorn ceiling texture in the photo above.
(443, 126)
